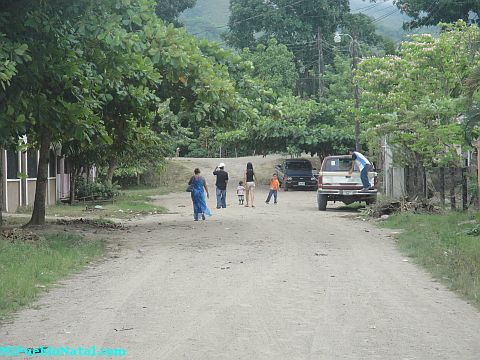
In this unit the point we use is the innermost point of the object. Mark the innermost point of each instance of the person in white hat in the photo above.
(221, 184)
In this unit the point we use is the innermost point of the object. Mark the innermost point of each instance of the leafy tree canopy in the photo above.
(417, 98)
(169, 10)
(255, 21)
(432, 12)
(274, 65)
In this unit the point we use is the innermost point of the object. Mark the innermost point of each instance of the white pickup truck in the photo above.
(336, 184)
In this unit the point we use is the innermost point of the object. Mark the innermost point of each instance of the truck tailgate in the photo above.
(344, 178)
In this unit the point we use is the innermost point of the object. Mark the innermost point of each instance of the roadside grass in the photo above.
(442, 244)
(130, 202)
(28, 268)
(12, 221)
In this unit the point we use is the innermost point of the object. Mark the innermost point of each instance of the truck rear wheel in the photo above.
(322, 202)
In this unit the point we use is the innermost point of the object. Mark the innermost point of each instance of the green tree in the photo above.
(288, 22)
(472, 123)
(48, 99)
(417, 97)
(11, 54)
(169, 10)
(428, 12)
(274, 65)
(296, 23)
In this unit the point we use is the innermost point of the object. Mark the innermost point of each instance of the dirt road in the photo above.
(274, 282)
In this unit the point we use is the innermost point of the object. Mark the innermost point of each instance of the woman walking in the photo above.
(250, 180)
(198, 195)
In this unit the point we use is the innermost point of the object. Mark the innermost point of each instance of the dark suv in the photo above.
(296, 173)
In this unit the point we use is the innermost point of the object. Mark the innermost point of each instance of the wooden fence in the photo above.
(453, 186)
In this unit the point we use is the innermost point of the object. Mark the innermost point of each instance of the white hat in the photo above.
(221, 165)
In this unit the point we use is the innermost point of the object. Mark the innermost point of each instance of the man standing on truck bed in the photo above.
(364, 166)
(221, 183)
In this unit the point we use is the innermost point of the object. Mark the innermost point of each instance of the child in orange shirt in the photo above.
(274, 186)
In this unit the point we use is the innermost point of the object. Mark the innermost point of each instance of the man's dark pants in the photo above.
(221, 198)
(364, 177)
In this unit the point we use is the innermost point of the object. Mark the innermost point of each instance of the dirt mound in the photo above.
(264, 167)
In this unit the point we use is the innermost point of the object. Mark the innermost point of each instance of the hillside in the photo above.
(209, 18)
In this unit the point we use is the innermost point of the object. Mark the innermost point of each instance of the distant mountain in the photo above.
(387, 17)
(208, 19)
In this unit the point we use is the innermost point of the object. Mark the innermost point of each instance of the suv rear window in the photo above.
(298, 165)
(338, 164)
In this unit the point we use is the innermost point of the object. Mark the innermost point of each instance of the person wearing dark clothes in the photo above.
(250, 179)
(221, 184)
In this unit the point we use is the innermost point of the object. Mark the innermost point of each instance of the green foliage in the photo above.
(424, 12)
(280, 19)
(417, 97)
(11, 54)
(440, 244)
(474, 230)
(472, 121)
(297, 25)
(169, 10)
(26, 268)
(274, 66)
(94, 190)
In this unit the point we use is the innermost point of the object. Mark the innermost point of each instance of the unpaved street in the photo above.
(274, 282)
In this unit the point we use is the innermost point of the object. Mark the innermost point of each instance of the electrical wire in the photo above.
(251, 17)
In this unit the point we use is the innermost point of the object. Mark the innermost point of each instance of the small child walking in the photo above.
(240, 192)
(274, 186)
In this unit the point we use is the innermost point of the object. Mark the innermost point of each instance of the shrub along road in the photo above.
(273, 282)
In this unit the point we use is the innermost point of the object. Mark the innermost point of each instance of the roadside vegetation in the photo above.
(31, 264)
(128, 203)
(447, 245)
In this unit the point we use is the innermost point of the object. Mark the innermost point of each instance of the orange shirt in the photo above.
(274, 184)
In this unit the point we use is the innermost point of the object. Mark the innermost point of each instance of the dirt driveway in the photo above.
(274, 282)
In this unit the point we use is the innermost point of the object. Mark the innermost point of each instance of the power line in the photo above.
(368, 7)
(389, 8)
(252, 17)
(384, 16)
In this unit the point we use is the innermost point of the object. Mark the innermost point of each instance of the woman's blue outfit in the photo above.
(198, 198)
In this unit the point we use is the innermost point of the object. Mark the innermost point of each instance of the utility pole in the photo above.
(321, 63)
(356, 92)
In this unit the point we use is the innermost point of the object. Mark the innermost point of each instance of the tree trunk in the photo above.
(1, 186)
(112, 165)
(73, 177)
(38, 215)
